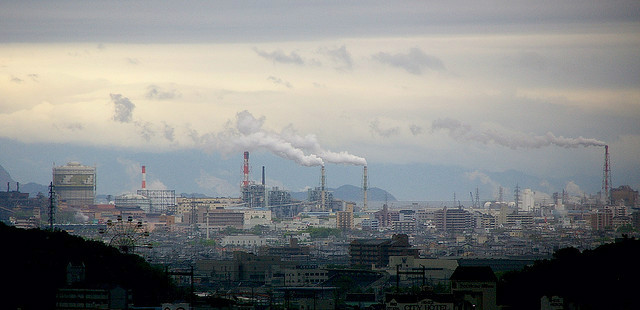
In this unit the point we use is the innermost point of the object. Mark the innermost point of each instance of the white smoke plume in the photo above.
(573, 189)
(484, 179)
(310, 143)
(460, 131)
(247, 134)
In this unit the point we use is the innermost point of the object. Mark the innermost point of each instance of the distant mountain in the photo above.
(193, 195)
(5, 176)
(32, 188)
(352, 193)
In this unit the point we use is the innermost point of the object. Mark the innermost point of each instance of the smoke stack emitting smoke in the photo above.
(248, 134)
(460, 131)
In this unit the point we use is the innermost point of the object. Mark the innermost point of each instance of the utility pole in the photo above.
(52, 205)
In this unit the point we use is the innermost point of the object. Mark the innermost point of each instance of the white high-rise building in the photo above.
(528, 200)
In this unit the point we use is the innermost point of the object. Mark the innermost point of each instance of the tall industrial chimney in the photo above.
(262, 175)
(144, 177)
(606, 177)
(365, 187)
(245, 170)
(322, 189)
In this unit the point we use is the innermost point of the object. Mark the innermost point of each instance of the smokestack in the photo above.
(606, 177)
(8, 186)
(144, 177)
(365, 187)
(18, 187)
(322, 189)
(262, 175)
(245, 171)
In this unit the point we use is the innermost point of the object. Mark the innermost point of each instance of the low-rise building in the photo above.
(474, 287)
(376, 252)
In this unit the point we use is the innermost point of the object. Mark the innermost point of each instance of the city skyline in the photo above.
(435, 98)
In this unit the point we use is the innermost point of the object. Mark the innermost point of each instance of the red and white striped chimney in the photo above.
(144, 177)
(245, 182)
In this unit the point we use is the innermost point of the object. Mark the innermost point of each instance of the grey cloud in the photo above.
(16, 80)
(86, 21)
(168, 131)
(123, 108)
(415, 129)
(33, 76)
(384, 132)
(194, 135)
(415, 61)
(280, 56)
(279, 81)
(146, 130)
(340, 56)
(155, 92)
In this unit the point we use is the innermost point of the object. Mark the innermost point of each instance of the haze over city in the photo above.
(435, 98)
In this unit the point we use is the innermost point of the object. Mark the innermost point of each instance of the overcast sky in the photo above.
(488, 86)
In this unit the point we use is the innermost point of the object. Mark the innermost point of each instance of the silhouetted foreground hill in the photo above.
(34, 266)
(604, 278)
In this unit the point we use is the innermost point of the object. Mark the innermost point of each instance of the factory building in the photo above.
(314, 195)
(624, 195)
(129, 201)
(278, 197)
(253, 195)
(75, 184)
(163, 201)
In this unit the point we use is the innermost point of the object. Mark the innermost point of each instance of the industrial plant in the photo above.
(260, 249)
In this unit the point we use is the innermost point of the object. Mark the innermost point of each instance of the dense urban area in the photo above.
(268, 250)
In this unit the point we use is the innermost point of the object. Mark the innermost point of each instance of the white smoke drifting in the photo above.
(310, 144)
(247, 134)
(460, 131)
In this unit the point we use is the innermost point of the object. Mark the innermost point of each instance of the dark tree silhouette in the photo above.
(35, 262)
(604, 278)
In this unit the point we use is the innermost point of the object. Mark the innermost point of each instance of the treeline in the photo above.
(34, 264)
(604, 278)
